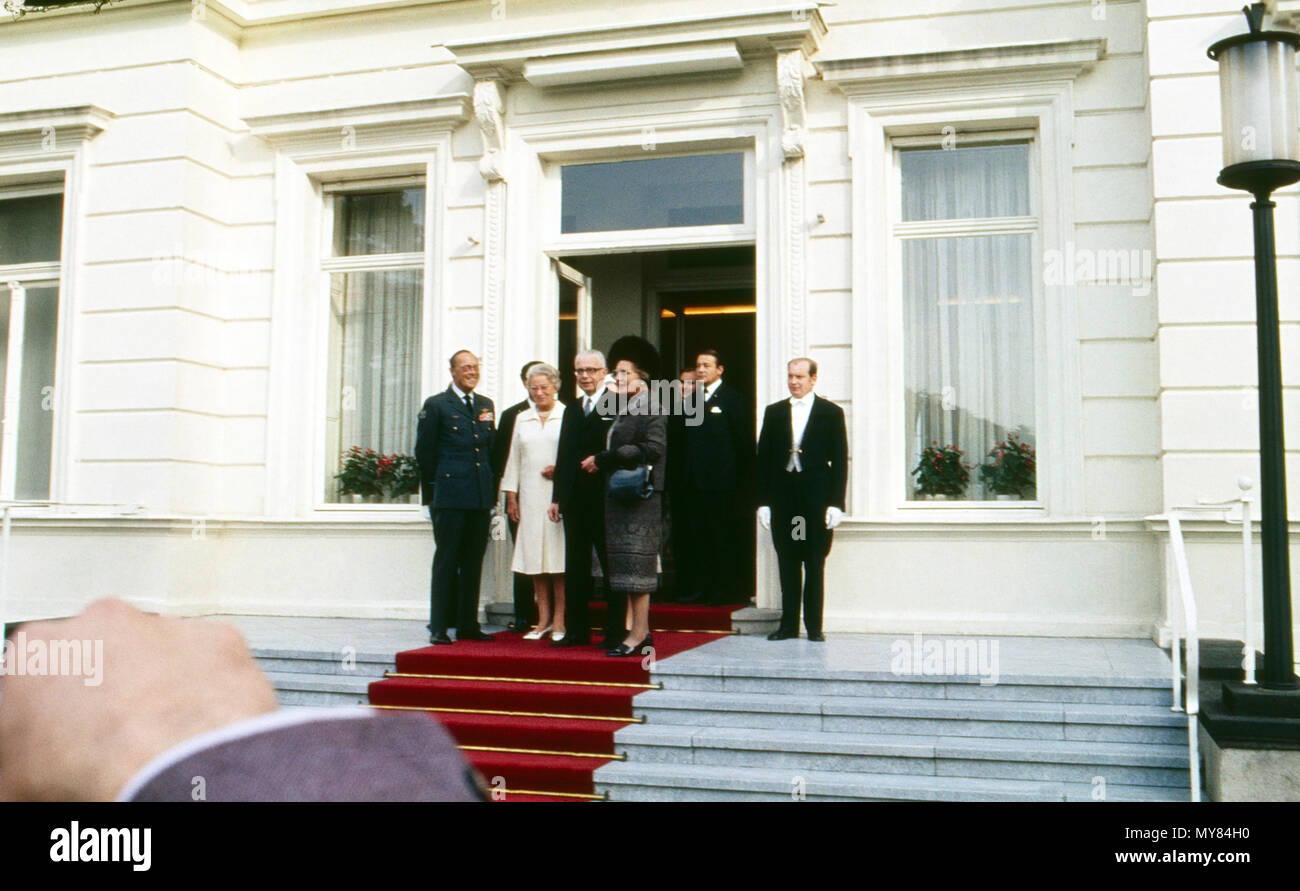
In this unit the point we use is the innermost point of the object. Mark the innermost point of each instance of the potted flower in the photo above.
(1009, 472)
(359, 474)
(399, 475)
(940, 472)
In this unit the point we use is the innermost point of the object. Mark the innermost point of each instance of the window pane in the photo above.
(700, 190)
(30, 229)
(374, 364)
(379, 222)
(961, 183)
(36, 389)
(969, 378)
(36, 400)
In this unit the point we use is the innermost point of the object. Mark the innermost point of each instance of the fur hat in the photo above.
(639, 351)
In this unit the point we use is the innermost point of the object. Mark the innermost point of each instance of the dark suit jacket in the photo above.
(501, 444)
(375, 757)
(454, 451)
(719, 450)
(824, 457)
(579, 437)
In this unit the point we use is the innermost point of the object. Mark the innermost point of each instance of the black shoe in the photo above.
(817, 637)
(573, 640)
(625, 650)
(439, 638)
(782, 634)
(474, 635)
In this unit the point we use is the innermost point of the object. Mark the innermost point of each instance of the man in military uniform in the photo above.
(453, 448)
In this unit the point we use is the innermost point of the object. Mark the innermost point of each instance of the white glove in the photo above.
(765, 517)
(833, 517)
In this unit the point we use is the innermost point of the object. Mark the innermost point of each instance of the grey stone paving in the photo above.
(848, 655)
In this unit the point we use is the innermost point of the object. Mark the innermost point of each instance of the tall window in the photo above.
(31, 230)
(968, 232)
(376, 283)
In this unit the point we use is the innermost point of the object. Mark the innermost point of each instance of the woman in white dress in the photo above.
(539, 544)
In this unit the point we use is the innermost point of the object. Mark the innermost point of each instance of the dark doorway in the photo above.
(682, 301)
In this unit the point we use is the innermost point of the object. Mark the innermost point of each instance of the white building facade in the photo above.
(245, 236)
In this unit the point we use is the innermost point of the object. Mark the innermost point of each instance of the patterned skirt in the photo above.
(632, 539)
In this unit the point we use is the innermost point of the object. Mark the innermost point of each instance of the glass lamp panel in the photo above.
(1260, 95)
(657, 193)
(965, 182)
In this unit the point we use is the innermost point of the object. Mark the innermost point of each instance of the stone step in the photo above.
(319, 689)
(345, 664)
(895, 715)
(687, 674)
(630, 781)
(799, 751)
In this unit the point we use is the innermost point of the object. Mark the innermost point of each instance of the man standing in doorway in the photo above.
(453, 449)
(803, 452)
(525, 610)
(579, 497)
(717, 454)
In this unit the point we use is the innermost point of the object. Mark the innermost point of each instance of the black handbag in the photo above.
(632, 485)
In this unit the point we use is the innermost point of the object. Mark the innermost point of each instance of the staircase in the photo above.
(314, 678)
(535, 720)
(737, 729)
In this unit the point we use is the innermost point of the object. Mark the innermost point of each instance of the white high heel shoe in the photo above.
(537, 633)
(557, 635)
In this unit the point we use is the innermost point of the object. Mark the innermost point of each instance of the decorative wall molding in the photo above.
(489, 109)
(1008, 63)
(794, 115)
(50, 133)
(360, 131)
(625, 50)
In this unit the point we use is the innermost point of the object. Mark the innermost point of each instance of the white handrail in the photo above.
(1248, 647)
(1187, 601)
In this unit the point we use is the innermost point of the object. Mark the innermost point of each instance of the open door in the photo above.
(574, 323)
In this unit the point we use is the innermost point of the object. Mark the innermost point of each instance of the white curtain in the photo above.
(375, 320)
(968, 307)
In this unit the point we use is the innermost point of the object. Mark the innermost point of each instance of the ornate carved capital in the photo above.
(489, 105)
(789, 83)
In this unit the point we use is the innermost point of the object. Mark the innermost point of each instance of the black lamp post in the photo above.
(1261, 152)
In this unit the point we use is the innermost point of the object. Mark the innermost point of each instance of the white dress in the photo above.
(539, 543)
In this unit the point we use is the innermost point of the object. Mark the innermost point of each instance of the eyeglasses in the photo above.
(588, 370)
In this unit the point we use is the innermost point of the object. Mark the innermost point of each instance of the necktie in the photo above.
(586, 406)
(469, 403)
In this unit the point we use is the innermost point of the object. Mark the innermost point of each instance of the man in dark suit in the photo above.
(678, 515)
(525, 609)
(717, 451)
(802, 474)
(453, 448)
(579, 499)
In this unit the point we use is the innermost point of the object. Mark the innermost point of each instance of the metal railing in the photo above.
(1184, 620)
(1187, 600)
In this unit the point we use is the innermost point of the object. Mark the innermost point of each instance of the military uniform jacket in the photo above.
(453, 448)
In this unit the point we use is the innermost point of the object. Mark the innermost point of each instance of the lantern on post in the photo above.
(1261, 152)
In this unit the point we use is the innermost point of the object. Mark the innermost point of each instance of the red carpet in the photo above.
(512, 694)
